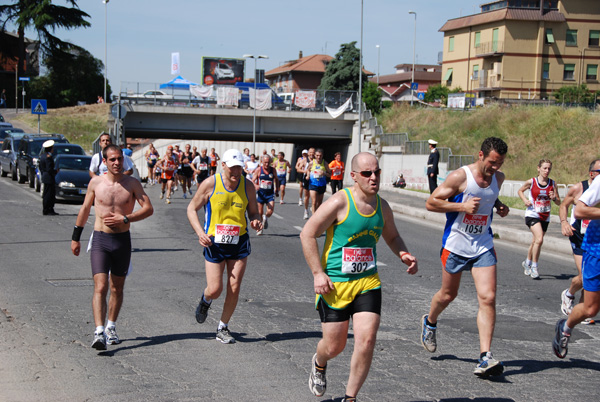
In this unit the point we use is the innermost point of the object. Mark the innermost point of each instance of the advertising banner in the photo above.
(222, 71)
(175, 63)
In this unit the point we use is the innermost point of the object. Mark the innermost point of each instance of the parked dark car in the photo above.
(59, 149)
(4, 131)
(8, 156)
(72, 177)
(29, 150)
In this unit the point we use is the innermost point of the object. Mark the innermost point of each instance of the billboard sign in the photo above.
(222, 71)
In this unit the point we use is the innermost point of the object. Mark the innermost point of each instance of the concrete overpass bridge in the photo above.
(193, 123)
(302, 129)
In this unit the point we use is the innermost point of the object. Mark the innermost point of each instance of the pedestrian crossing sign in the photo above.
(39, 106)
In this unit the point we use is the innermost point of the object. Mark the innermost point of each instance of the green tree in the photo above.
(72, 77)
(43, 17)
(438, 91)
(342, 71)
(372, 97)
(575, 94)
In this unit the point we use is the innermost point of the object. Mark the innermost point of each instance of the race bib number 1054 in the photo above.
(357, 260)
(474, 224)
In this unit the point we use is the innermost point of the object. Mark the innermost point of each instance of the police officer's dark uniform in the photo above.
(47, 171)
(432, 165)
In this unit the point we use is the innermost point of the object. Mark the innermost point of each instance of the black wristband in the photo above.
(77, 230)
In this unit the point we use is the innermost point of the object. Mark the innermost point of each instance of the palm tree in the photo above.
(44, 17)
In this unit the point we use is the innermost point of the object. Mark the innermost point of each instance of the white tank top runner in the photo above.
(469, 235)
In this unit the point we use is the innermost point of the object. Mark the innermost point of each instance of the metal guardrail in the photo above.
(456, 161)
(131, 93)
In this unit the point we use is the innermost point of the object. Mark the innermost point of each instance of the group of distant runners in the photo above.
(345, 273)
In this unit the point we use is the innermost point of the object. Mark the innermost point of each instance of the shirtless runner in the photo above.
(113, 195)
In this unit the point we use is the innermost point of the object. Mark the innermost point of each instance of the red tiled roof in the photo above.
(313, 64)
(518, 14)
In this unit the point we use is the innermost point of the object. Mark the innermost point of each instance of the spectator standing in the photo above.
(432, 165)
(48, 172)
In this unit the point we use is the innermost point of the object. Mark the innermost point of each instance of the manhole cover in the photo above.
(70, 282)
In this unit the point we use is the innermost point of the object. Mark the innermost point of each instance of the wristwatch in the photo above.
(125, 219)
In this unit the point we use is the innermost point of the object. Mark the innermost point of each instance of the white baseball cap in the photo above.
(304, 151)
(48, 144)
(432, 142)
(233, 157)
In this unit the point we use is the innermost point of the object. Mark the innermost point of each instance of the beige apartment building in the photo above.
(521, 49)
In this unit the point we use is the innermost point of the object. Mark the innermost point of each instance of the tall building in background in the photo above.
(523, 49)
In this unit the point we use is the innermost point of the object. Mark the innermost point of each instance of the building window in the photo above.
(495, 34)
(594, 38)
(549, 36)
(451, 44)
(571, 37)
(592, 72)
(477, 39)
(569, 74)
(476, 72)
(546, 71)
(448, 76)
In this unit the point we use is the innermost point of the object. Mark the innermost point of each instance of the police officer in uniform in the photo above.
(46, 166)
(432, 165)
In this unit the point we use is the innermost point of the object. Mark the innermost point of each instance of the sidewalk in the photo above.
(511, 228)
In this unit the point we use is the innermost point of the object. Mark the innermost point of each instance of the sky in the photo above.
(142, 34)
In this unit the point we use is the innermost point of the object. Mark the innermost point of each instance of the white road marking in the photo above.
(277, 216)
(298, 227)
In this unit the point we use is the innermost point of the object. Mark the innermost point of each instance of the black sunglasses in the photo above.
(596, 171)
(368, 173)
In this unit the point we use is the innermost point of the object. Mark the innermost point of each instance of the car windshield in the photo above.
(68, 150)
(74, 163)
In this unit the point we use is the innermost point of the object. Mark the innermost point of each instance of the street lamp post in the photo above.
(378, 49)
(105, 44)
(360, 79)
(412, 81)
(251, 56)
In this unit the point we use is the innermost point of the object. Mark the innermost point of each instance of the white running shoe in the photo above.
(300, 202)
(567, 303)
(305, 215)
(526, 268)
(534, 273)
(317, 381)
(162, 195)
(168, 200)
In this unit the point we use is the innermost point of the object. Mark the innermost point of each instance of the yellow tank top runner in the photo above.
(225, 216)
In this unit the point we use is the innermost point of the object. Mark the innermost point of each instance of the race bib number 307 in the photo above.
(357, 260)
(474, 224)
(227, 234)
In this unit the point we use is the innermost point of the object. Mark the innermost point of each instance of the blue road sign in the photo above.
(39, 106)
(414, 86)
(421, 95)
(23, 78)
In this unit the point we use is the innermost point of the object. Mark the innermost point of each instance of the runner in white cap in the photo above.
(226, 197)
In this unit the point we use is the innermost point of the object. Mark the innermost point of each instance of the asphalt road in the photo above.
(46, 322)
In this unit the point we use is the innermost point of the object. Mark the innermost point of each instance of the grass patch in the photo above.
(565, 136)
(80, 124)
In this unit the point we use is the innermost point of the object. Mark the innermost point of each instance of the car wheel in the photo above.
(14, 175)
(31, 178)
(2, 172)
(37, 184)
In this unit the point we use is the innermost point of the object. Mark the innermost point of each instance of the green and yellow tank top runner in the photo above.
(350, 254)
(225, 216)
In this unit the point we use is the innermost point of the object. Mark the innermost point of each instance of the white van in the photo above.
(288, 99)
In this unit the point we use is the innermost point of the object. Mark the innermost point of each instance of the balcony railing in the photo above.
(487, 79)
(489, 48)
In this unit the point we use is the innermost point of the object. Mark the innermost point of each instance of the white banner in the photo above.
(263, 98)
(175, 63)
(335, 113)
(306, 99)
